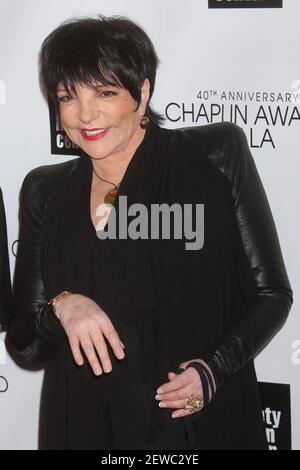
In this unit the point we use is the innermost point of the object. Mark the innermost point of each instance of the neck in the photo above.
(113, 167)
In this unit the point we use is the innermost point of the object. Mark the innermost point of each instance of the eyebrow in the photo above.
(98, 87)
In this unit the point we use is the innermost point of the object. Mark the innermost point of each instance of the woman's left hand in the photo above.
(179, 388)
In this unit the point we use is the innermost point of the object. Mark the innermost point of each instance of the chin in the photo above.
(96, 155)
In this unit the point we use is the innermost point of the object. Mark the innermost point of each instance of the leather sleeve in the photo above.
(35, 332)
(264, 316)
(5, 282)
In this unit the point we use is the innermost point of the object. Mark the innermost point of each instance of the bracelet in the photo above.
(56, 299)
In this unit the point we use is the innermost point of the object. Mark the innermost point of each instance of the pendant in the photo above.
(110, 197)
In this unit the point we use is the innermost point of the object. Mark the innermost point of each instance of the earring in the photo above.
(144, 122)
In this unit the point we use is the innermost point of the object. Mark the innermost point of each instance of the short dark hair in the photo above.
(110, 50)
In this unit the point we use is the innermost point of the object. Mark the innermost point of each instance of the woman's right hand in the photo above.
(87, 325)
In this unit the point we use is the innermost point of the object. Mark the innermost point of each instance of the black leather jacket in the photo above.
(5, 283)
(35, 328)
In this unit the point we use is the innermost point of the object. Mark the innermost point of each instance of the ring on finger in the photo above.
(194, 403)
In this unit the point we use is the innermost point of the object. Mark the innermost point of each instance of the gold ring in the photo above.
(194, 403)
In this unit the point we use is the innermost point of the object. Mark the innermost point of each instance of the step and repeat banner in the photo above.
(220, 60)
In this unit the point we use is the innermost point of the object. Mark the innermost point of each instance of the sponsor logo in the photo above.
(276, 403)
(260, 110)
(244, 3)
(60, 142)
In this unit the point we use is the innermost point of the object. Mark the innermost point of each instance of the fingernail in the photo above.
(161, 404)
(121, 355)
(159, 390)
(157, 397)
(97, 372)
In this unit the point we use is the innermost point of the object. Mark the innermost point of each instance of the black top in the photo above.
(222, 303)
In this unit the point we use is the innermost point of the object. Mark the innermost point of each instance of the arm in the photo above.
(5, 283)
(35, 332)
(265, 315)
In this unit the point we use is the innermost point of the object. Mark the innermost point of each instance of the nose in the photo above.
(88, 111)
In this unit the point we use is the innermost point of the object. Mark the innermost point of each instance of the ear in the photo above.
(145, 94)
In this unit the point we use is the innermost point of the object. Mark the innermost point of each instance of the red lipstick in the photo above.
(93, 134)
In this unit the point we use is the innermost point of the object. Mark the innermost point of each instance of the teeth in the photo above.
(91, 133)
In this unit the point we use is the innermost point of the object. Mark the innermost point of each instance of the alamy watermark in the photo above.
(296, 91)
(162, 221)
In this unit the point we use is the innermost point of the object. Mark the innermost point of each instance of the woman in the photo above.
(147, 344)
(5, 283)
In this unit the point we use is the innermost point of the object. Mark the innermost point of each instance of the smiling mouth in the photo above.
(93, 134)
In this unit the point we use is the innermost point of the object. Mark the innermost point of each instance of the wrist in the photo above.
(55, 301)
(206, 378)
(209, 371)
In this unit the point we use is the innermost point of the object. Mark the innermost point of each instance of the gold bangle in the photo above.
(57, 298)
